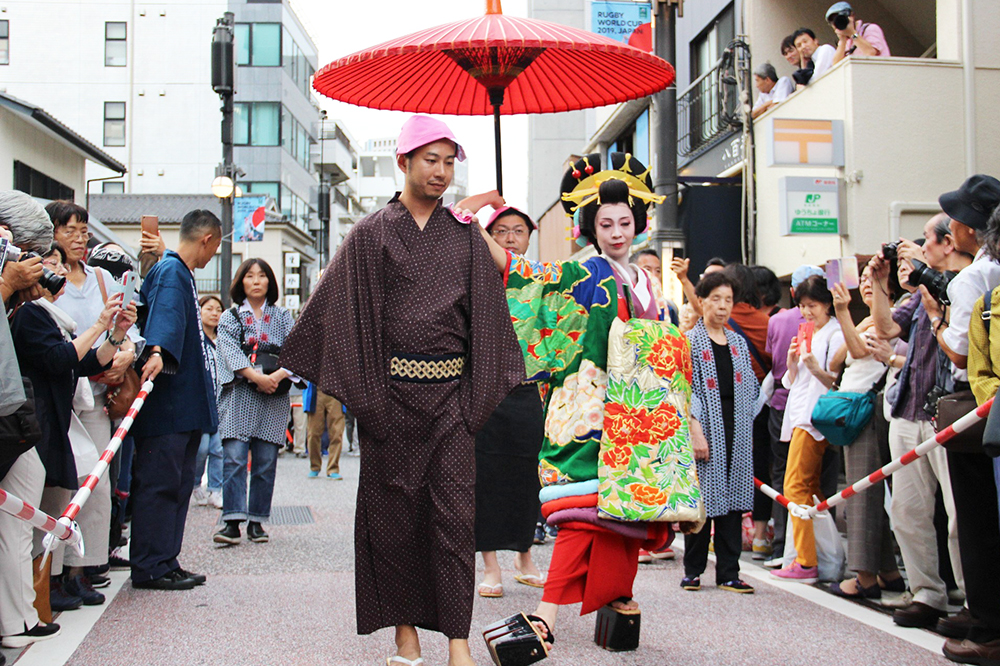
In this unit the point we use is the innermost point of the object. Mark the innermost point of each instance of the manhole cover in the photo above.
(287, 515)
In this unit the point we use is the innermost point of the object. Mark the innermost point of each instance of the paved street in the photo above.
(291, 601)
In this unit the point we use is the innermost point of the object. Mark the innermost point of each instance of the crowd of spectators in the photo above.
(915, 335)
(810, 57)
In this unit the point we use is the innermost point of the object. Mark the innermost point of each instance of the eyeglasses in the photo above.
(518, 232)
(71, 232)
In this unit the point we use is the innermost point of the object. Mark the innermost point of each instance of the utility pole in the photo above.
(224, 83)
(668, 233)
(323, 204)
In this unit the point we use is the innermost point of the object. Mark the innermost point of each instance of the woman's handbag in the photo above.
(121, 397)
(840, 416)
(20, 431)
(263, 358)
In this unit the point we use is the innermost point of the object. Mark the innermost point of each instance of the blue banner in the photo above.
(626, 22)
(248, 218)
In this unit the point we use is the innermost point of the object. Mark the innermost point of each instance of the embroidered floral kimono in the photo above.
(562, 314)
(724, 490)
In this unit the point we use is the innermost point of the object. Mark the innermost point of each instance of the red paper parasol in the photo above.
(495, 64)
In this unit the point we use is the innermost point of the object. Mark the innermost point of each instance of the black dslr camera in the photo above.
(936, 283)
(841, 19)
(49, 281)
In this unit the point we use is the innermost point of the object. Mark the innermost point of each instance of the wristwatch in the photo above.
(855, 36)
(892, 358)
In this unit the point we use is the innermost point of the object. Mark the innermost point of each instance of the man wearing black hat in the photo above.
(973, 485)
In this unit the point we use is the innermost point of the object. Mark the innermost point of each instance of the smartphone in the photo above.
(805, 336)
(128, 281)
(843, 270)
(150, 223)
(3, 253)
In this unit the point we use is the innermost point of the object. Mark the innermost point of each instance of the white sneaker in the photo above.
(774, 563)
(199, 497)
(215, 499)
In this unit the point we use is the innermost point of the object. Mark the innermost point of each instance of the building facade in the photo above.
(379, 177)
(900, 150)
(136, 81)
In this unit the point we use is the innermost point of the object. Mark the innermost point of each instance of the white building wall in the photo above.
(21, 141)
(172, 115)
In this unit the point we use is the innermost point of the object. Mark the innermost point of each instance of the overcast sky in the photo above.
(341, 27)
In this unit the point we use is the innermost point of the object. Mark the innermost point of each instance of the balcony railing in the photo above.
(702, 114)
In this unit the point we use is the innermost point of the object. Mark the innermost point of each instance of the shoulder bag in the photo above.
(841, 415)
(19, 431)
(263, 358)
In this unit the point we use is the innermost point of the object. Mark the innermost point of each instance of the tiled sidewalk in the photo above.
(291, 601)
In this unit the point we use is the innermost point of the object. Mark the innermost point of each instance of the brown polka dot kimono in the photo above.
(395, 289)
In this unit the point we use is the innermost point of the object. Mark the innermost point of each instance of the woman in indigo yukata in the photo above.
(254, 405)
(563, 313)
(723, 406)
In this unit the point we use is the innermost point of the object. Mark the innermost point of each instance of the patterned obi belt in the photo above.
(426, 369)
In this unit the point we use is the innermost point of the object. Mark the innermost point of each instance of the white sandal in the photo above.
(396, 659)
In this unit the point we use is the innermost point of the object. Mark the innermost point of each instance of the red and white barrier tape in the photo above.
(880, 475)
(83, 494)
(18, 508)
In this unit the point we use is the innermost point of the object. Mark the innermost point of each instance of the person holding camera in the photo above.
(854, 36)
(974, 487)
(254, 403)
(22, 222)
(915, 486)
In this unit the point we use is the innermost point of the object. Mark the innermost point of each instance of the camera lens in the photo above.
(51, 282)
(840, 21)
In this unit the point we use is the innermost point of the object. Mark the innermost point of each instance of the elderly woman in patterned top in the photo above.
(254, 404)
(723, 406)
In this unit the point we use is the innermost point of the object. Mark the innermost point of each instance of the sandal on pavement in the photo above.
(550, 638)
(491, 591)
(872, 592)
(894, 585)
(531, 580)
(396, 659)
(624, 611)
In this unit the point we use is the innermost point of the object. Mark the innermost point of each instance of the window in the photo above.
(37, 184)
(208, 280)
(114, 123)
(256, 124)
(4, 43)
(113, 187)
(295, 64)
(295, 139)
(271, 189)
(115, 44)
(707, 48)
(258, 44)
(296, 210)
(242, 36)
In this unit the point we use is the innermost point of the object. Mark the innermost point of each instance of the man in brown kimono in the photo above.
(408, 327)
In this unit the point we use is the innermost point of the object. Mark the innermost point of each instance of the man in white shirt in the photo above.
(814, 58)
(973, 485)
(772, 89)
